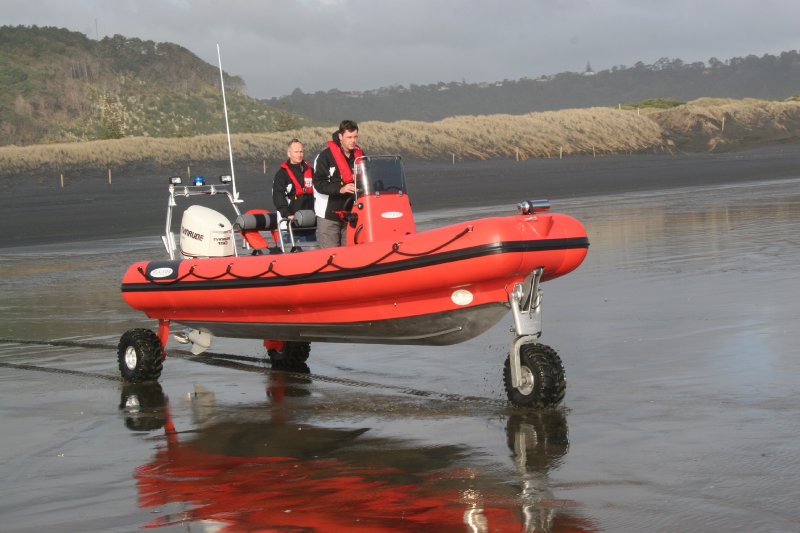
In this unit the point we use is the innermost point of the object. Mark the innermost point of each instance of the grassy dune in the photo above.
(700, 125)
(723, 124)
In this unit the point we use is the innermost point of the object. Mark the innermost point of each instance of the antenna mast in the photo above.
(227, 126)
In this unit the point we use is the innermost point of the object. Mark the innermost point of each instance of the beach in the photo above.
(41, 211)
(677, 336)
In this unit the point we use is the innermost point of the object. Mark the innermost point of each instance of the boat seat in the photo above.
(303, 230)
(305, 218)
(256, 221)
(251, 223)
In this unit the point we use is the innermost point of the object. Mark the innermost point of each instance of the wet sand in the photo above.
(677, 335)
(36, 209)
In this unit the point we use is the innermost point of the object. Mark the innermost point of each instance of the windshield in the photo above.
(380, 174)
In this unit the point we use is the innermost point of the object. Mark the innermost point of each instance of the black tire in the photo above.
(140, 356)
(293, 353)
(542, 365)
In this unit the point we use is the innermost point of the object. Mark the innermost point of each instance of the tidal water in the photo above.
(678, 336)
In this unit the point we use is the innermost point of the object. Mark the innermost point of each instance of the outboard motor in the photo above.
(205, 233)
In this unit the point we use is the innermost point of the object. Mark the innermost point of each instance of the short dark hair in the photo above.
(295, 140)
(347, 125)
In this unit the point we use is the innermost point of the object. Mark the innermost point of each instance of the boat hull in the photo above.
(436, 287)
(435, 329)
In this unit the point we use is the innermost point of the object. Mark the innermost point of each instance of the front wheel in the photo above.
(140, 356)
(544, 383)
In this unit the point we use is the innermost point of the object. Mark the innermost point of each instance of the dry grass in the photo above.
(697, 125)
(725, 124)
(573, 131)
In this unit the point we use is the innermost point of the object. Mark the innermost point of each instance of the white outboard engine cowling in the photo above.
(205, 233)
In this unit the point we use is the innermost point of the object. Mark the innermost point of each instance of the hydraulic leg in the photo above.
(163, 334)
(525, 300)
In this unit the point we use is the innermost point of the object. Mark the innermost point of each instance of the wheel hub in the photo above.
(526, 381)
(130, 357)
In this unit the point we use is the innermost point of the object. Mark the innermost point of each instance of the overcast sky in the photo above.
(280, 45)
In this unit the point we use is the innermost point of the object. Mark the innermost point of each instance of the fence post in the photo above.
(265, 166)
(454, 158)
(560, 152)
(109, 175)
(62, 180)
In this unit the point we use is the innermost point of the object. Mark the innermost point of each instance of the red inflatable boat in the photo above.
(389, 285)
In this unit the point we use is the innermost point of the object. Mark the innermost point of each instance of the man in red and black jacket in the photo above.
(292, 187)
(333, 184)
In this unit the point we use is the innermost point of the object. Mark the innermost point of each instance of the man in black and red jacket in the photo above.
(333, 184)
(292, 187)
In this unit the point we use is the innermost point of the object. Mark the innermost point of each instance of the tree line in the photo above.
(767, 77)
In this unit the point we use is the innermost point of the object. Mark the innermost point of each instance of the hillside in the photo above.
(59, 85)
(768, 77)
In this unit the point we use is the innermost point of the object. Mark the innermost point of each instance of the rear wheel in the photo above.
(293, 353)
(543, 376)
(140, 356)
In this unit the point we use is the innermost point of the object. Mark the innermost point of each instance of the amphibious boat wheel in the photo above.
(140, 356)
(543, 377)
(293, 353)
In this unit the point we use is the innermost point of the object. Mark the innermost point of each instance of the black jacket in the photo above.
(284, 195)
(328, 181)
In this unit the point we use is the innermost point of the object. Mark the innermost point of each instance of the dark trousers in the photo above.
(331, 233)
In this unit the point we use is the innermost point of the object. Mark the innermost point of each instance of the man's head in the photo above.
(295, 151)
(348, 135)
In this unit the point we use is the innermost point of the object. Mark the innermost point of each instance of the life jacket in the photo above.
(341, 161)
(308, 176)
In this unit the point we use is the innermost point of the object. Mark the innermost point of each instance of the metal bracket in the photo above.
(187, 191)
(525, 300)
(285, 226)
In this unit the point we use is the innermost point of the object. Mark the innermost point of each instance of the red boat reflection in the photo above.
(249, 470)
